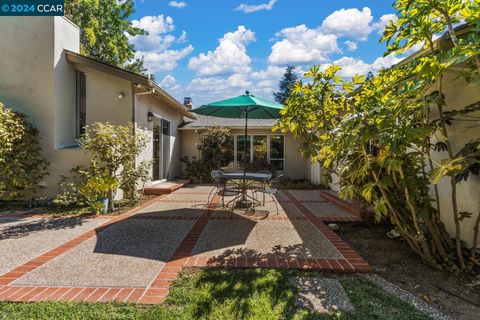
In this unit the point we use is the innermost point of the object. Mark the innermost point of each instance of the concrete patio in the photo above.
(134, 257)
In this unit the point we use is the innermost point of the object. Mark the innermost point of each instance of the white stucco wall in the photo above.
(459, 94)
(146, 103)
(32, 71)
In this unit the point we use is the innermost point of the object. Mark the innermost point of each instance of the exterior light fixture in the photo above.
(150, 116)
(121, 95)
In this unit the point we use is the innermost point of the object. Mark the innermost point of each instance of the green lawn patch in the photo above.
(233, 294)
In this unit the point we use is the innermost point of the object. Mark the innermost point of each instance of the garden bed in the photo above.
(394, 261)
(22, 208)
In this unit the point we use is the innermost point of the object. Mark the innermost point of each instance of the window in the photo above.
(261, 149)
(80, 103)
(277, 152)
(240, 148)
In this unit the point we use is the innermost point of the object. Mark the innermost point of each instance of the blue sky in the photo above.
(212, 49)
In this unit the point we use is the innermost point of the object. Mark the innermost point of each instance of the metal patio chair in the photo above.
(221, 187)
(267, 189)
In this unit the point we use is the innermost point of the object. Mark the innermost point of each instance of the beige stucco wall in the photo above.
(32, 72)
(459, 94)
(296, 167)
(146, 103)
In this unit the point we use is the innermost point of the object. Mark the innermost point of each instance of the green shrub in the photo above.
(115, 149)
(22, 164)
(216, 146)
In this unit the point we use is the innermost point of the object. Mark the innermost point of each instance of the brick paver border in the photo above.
(158, 289)
(18, 272)
(352, 258)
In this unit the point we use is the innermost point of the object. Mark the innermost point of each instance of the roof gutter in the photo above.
(229, 127)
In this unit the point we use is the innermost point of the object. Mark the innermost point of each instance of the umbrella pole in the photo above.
(245, 155)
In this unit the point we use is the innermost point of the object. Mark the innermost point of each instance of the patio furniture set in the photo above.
(238, 185)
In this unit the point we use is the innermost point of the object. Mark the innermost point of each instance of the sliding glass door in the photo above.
(161, 149)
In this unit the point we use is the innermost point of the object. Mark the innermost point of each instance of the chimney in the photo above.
(187, 102)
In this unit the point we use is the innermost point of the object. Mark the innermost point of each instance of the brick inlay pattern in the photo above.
(86, 294)
(342, 204)
(18, 272)
(352, 258)
(159, 287)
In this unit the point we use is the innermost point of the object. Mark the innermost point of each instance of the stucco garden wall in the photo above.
(459, 94)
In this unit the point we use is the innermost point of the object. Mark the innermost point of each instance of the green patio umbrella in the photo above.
(247, 106)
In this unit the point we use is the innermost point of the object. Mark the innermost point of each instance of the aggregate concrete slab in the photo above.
(173, 209)
(179, 197)
(306, 195)
(24, 239)
(321, 294)
(326, 209)
(197, 189)
(284, 209)
(264, 239)
(128, 254)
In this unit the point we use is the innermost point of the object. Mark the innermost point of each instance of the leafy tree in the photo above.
(115, 149)
(286, 85)
(376, 137)
(22, 164)
(418, 22)
(105, 29)
(215, 146)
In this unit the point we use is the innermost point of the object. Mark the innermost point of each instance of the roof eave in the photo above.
(79, 59)
(229, 127)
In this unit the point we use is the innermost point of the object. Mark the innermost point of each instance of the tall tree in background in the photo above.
(105, 29)
(286, 85)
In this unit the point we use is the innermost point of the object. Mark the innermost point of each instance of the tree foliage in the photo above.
(105, 29)
(215, 147)
(286, 85)
(22, 164)
(375, 134)
(115, 149)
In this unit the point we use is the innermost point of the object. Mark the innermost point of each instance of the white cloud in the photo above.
(155, 47)
(177, 4)
(383, 22)
(352, 66)
(351, 23)
(169, 83)
(301, 45)
(183, 37)
(229, 57)
(165, 60)
(158, 28)
(248, 8)
(351, 46)
(155, 24)
(386, 62)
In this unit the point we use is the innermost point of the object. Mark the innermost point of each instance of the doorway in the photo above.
(161, 149)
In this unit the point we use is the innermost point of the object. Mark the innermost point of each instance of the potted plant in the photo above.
(96, 188)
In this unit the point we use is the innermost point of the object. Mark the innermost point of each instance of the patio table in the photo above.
(247, 178)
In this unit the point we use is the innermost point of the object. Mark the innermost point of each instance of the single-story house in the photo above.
(263, 144)
(43, 75)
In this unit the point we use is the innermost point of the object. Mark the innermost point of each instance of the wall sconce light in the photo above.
(121, 95)
(150, 116)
